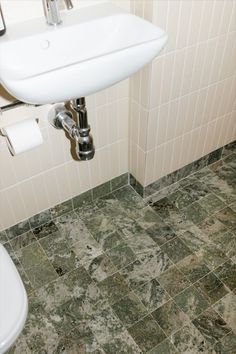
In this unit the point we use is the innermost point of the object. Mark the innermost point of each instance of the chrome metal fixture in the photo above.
(62, 118)
(52, 12)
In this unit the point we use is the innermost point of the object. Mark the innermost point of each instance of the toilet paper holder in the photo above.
(22, 136)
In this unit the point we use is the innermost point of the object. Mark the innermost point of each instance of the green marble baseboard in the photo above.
(183, 172)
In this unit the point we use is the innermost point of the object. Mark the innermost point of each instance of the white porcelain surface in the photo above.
(13, 302)
(94, 48)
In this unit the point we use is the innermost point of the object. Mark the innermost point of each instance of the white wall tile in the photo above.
(180, 108)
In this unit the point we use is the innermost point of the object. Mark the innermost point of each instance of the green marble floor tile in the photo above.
(45, 230)
(173, 281)
(136, 274)
(226, 308)
(156, 262)
(212, 288)
(23, 240)
(152, 295)
(86, 249)
(196, 190)
(195, 213)
(61, 209)
(229, 149)
(125, 210)
(105, 324)
(79, 340)
(40, 219)
(107, 201)
(212, 226)
(194, 238)
(147, 334)
(127, 196)
(129, 309)
(161, 233)
(39, 332)
(227, 217)
(18, 229)
(166, 347)
(203, 173)
(160, 194)
(220, 188)
(176, 250)
(149, 218)
(76, 285)
(121, 255)
(188, 180)
(227, 344)
(170, 317)
(178, 222)
(141, 243)
(212, 256)
(61, 257)
(10, 251)
(164, 208)
(226, 242)
(72, 228)
(36, 265)
(189, 340)
(122, 344)
(3, 237)
(66, 316)
(181, 198)
(233, 206)
(87, 210)
(227, 274)
(19, 347)
(211, 203)
(212, 326)
(110, 241)
(127, 226)
(98, 351)
(100, 268)
(24, 277)
(192, 302)
(100, 224)
(114, 287)
(227, 174)
(193, 268)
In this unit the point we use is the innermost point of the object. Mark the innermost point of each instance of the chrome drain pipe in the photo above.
(85, 147)
(62, 118)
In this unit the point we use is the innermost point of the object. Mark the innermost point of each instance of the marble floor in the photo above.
(123, 275)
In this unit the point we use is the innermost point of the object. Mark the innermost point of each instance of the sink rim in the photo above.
(22, 70)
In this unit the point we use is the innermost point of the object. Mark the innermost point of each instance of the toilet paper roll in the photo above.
(23, 136)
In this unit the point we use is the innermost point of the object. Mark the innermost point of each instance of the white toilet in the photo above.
(13, 302)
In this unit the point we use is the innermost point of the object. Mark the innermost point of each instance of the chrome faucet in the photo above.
(52, 11)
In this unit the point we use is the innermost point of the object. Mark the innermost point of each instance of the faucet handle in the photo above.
(69, 4)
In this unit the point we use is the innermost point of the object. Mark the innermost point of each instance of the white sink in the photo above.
(93, 48)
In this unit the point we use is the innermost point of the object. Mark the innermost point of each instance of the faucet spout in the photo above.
(52, 12)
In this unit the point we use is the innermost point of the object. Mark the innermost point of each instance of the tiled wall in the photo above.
(183, 105)
(41, 178)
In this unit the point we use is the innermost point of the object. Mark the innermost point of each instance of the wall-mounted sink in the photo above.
(94, 48)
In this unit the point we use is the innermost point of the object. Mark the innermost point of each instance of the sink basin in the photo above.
(92, 49)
